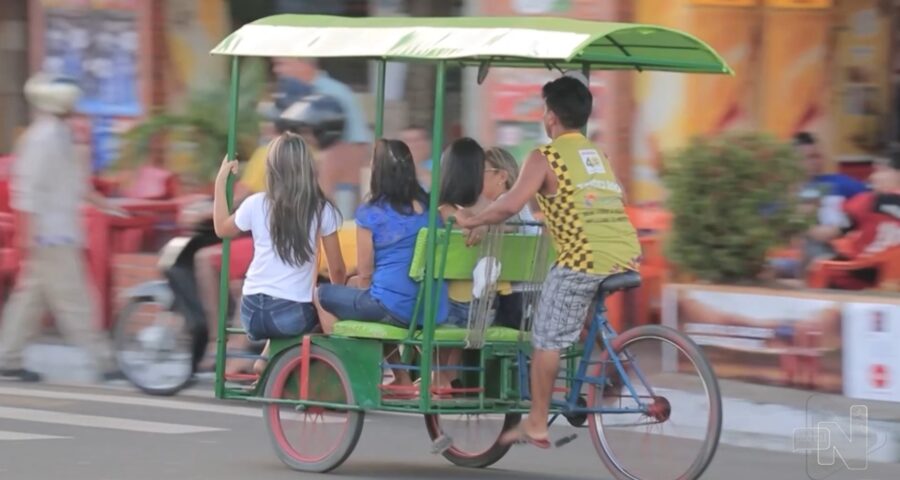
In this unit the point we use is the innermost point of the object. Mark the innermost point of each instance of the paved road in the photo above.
(81, 433)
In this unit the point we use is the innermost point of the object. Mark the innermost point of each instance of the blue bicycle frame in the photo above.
(569, 406)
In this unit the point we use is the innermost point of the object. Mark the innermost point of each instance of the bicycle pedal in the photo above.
(565, 440)
(441, 444)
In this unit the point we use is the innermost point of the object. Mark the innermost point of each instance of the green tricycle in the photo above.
(647, 393)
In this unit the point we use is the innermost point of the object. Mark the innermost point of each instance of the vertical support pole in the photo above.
(437, 136)
(221, 338)
(379, 100)
(586, 71)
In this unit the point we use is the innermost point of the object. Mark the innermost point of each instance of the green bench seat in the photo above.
(459, 263)
(381, 331)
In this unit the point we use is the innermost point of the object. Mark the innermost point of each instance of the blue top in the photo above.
(394, 240)
(838, 184)
(356, 130)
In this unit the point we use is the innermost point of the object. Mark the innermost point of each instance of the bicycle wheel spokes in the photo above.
(662, 408)
(311, 439)
(313, 433)
(153, 346)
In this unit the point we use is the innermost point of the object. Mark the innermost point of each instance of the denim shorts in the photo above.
(348, 303)
(265, 317)
(458, 314)
(508, 312)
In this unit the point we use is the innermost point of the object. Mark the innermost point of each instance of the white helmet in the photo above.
(52, 93)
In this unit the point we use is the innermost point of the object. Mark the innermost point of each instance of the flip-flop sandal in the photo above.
(398, 394)
(518, 436)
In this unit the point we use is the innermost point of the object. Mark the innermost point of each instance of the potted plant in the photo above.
(733, 200)
(201, 125)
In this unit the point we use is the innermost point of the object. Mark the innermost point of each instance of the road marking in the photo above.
(134, 401)
(113, 423)
(4, 435)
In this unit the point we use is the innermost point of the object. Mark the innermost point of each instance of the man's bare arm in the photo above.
(531, 179)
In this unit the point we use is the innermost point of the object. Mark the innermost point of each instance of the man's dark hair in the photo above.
(570, 100)
(804, 138)
(462, 173)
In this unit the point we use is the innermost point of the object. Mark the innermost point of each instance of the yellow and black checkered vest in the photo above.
(587, 216)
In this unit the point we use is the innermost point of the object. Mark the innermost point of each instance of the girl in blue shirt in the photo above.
(387, 226)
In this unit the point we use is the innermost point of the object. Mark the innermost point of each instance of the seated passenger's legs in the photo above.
(337, 302)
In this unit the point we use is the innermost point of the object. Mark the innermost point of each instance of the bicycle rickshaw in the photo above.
(647, 396)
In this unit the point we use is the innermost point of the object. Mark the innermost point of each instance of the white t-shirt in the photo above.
(268, 274)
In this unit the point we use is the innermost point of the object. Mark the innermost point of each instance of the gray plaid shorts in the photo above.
(566, 299)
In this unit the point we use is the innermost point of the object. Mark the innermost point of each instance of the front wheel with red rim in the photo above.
(311, 439)
(474, 438)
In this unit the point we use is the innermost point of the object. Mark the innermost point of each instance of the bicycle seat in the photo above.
(620, 281)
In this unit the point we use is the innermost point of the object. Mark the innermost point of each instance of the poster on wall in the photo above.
(861, 94)
(97, 45)
(513, 102)
(795, 80)
(872, 360)
(673, 107)
(792, 340)
(517, 109)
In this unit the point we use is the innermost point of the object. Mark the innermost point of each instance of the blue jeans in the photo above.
(458, 314)
(508, 314)
(348, 303)
(264, 317)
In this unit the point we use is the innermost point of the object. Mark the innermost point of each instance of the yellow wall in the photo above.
(783, 58)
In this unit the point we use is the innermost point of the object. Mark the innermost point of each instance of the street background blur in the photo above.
(827, 67)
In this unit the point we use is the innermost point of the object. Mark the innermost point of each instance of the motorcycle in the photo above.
(161, 334)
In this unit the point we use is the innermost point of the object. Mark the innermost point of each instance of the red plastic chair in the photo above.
(840, 273)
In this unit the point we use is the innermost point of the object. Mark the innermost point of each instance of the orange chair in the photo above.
(839, 273)
(651, 223)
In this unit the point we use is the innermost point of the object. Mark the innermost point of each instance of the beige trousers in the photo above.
(54, 279)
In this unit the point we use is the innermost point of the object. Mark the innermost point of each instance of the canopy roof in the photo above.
(502, 41)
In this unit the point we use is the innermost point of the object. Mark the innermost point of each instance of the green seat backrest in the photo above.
(517, 254)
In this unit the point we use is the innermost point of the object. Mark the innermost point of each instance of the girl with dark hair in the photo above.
(387, 226)
(287, 222)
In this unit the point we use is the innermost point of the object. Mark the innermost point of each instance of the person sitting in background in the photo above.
(828, 191)
(419, 140)
(874, 220)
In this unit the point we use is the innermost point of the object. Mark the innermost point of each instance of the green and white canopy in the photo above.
(501, 41)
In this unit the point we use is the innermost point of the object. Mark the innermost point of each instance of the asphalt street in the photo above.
(51, 432)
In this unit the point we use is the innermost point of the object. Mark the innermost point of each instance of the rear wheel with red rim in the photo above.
(311, 439)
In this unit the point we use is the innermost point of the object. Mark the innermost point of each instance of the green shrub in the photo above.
(733, 199)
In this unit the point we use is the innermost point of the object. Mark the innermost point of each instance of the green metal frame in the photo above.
(497, 361)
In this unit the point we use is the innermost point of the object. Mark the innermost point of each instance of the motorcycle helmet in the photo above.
(320, 115)
(51, 93)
